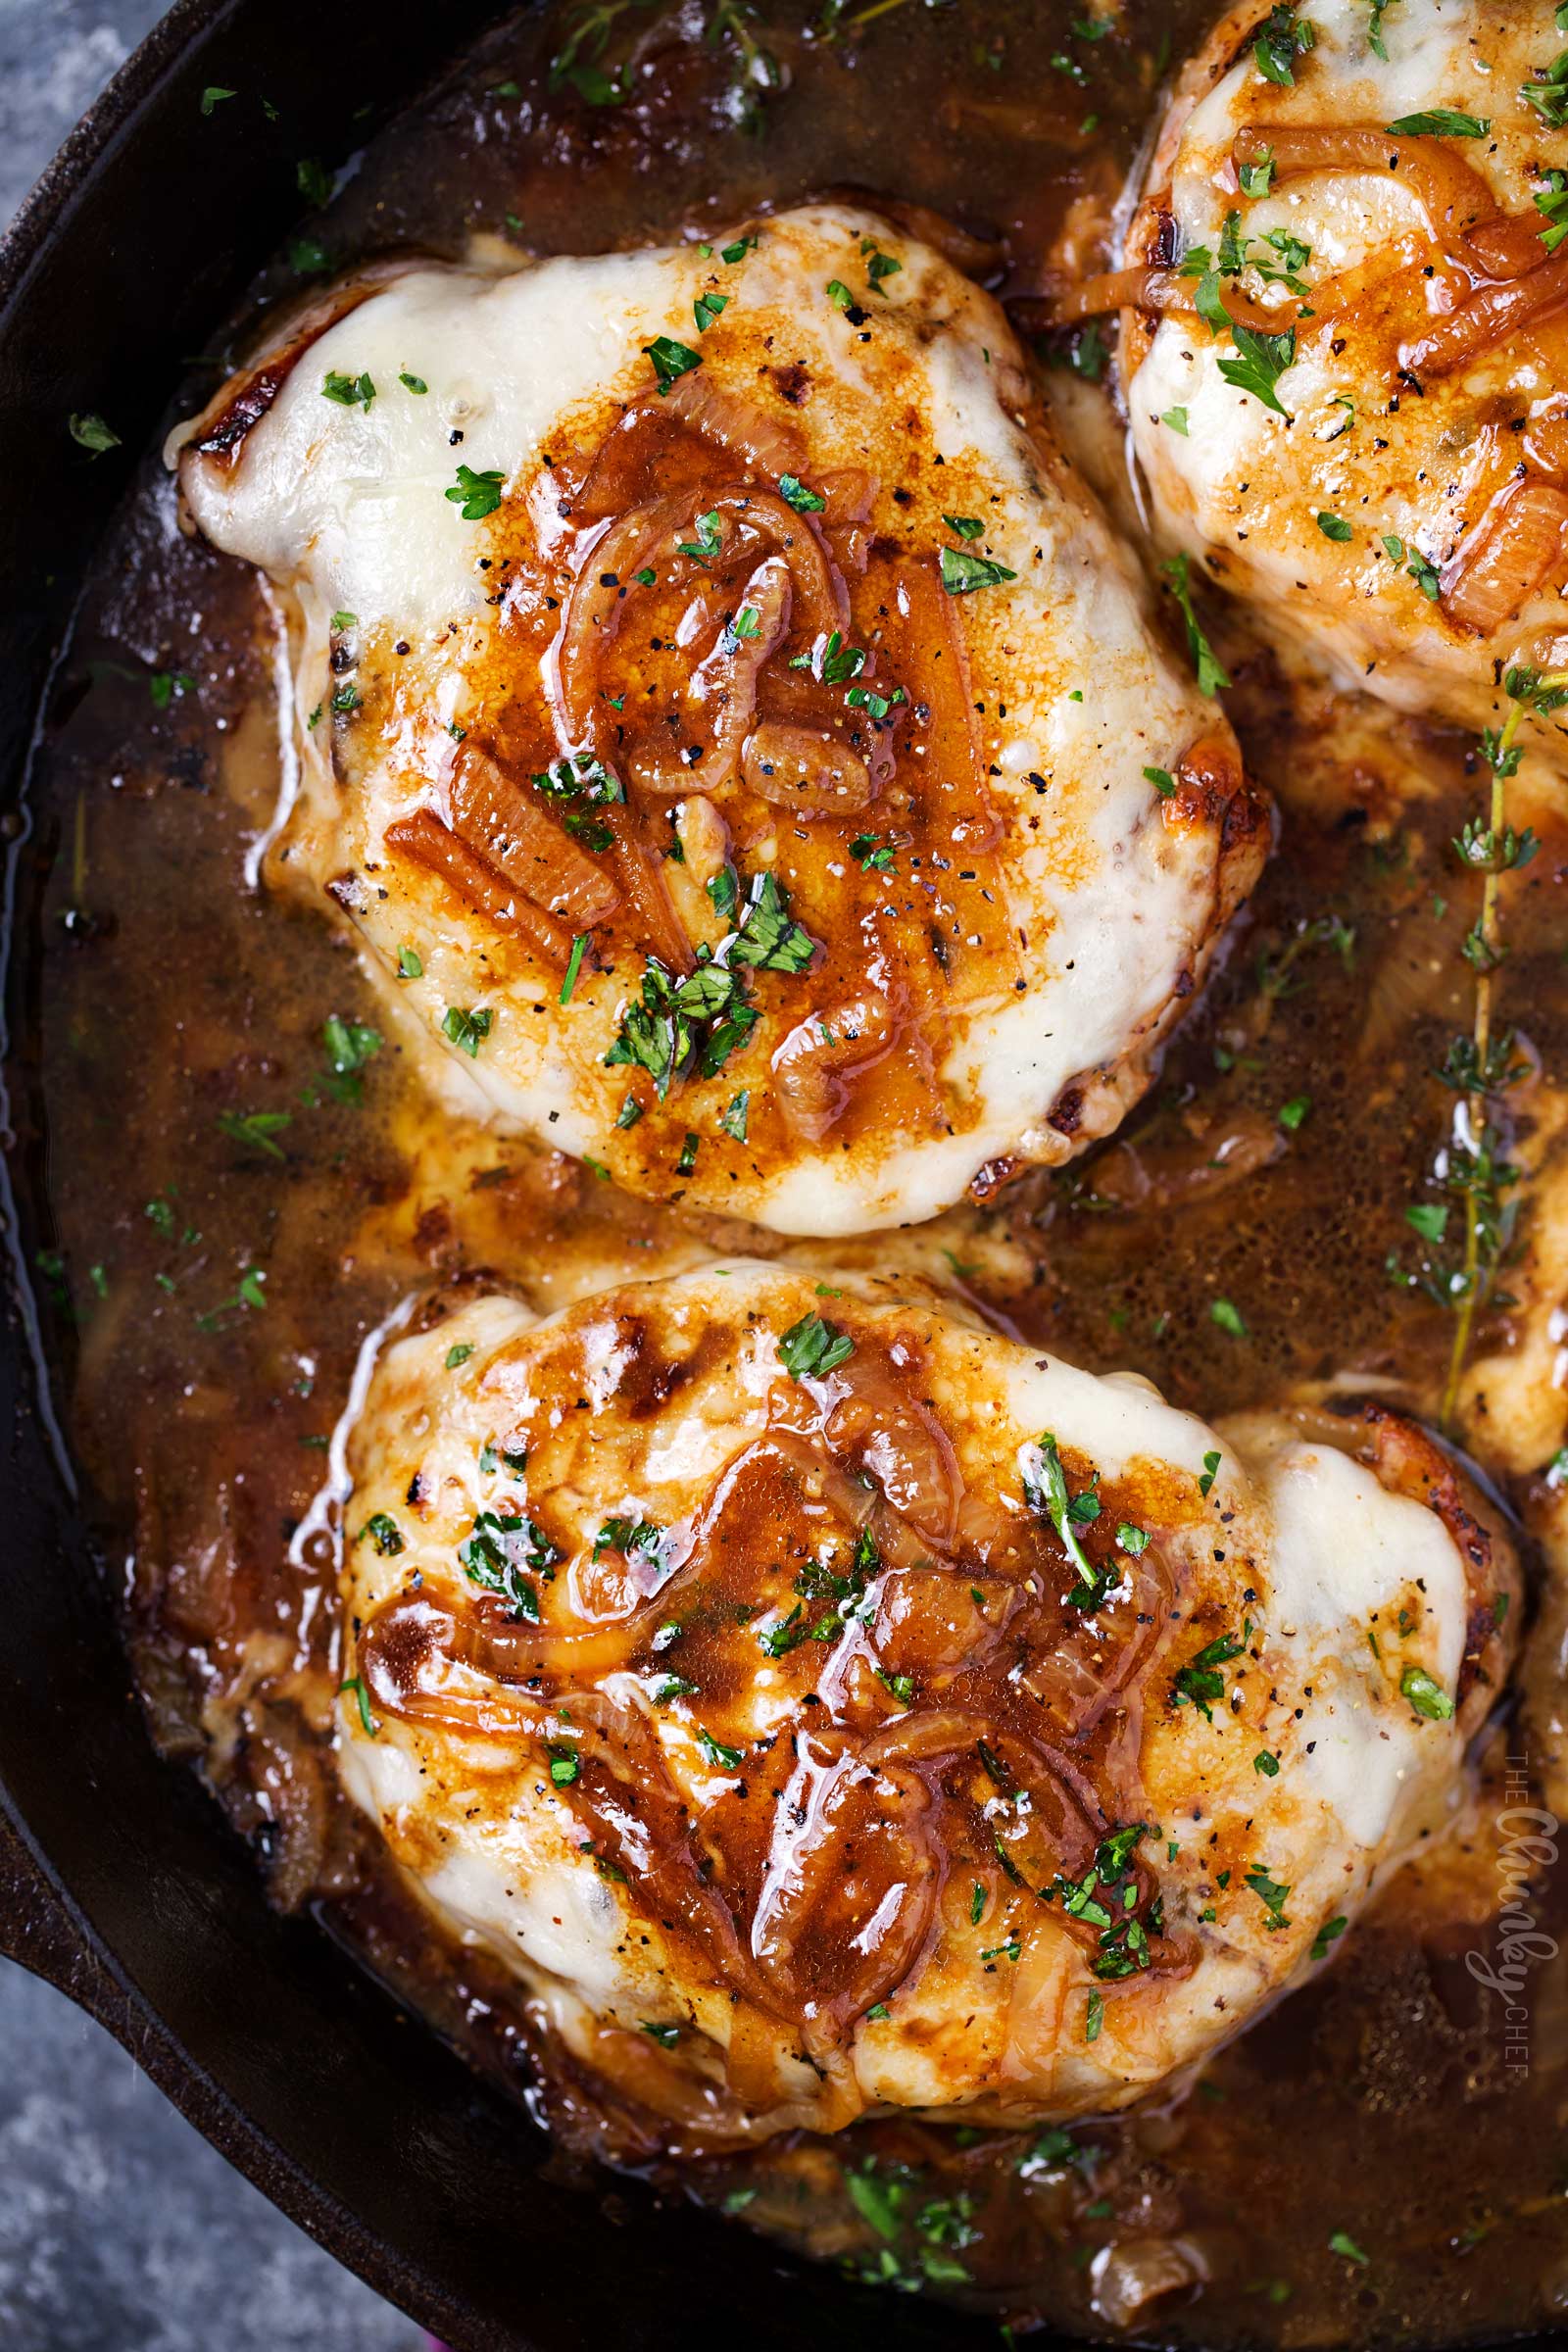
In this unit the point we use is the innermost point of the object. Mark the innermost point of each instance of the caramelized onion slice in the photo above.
(1508, 559)
(767, 445)
(1491, 313)
(507, 828)
(639, 868)
(723, 686)
(597, 605)
(1137, 289)
(810, 773)
(425, 841)
(1451, 193)
(818, 1062)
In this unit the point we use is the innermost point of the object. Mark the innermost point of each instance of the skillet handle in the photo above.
(37, 1931)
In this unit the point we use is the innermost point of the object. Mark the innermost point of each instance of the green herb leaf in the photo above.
(1257, 364)
(1210, 676)
(811, 1348)
(795, 491)
(256, 1128)
(963, 574)
(1441, 122)
(89, 431)
(467, 1027)
(476, 495)
(670, 361)
(1426, 1695)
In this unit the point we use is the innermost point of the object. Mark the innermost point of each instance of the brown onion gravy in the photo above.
(233, 1214)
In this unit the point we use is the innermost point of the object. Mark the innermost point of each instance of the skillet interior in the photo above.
(119, 1878)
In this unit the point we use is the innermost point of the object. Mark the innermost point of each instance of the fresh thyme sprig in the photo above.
(1484, 1066)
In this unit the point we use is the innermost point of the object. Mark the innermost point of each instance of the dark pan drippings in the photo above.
(243, 1185)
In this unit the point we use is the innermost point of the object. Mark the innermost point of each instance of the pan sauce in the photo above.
(243, 1188)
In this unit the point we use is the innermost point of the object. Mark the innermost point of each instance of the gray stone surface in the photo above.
(121, 2230)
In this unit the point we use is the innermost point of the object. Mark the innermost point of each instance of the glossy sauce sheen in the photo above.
(233, 1213)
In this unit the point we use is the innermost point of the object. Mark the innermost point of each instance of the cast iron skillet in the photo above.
(117, 1876)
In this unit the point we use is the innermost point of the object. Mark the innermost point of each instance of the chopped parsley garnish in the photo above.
(813, 1347)
(769, 938)
(1199, 1681)
(1285, 36)
(1210, 676)
(1271, 1894)
(732, 1118)
(710, 536)
(476, 495)
(1256, 178)
(726, 1758)
(871, 855)
(688, 1149)
(1549, 94)
(1441, 122)
(411, 964)
(963, 573)
(1342, 2242)
(1162, 780)
(1176, 419)
(706, 308)
(503, 1555)
(349, 1045)
(256, 1128)
(881, 266)
(583, 777)
(467, 1027)
(1228, 1317)
(1335, 527)
(1134, 1541)
(313, 180)
(411, 382)
(563, 1766)
(1426, 1695)
(362, 1699)
(670, 361)
(459, 1353)
(349, 391)
(627, 1536)
(89, 432)
(866, 698)
(839, 295)
(1328, 1933)
(796, 494)
(384, 1533)
(1258, 363)
(1266, 1764)
(1094, 2016)
(966, 527)
(1374, 30)
(1291, 1114)
(579, 948)
(1211, 1472)
(1049, 1493)
(667, 2037)
(212, 96)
